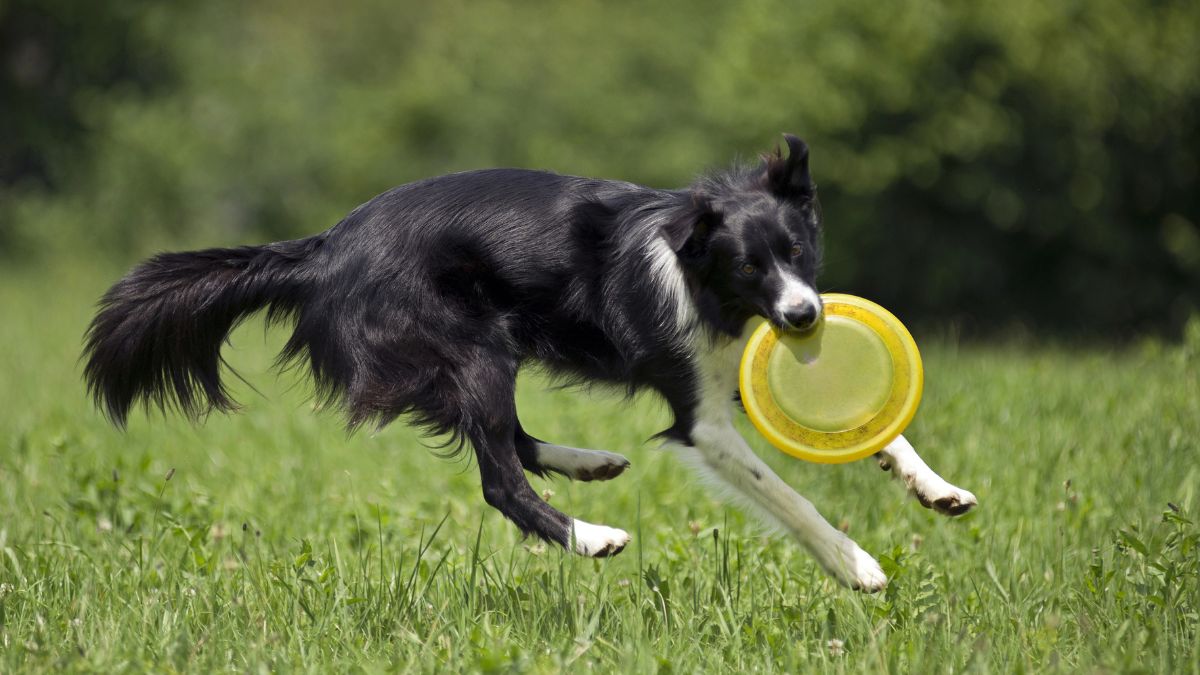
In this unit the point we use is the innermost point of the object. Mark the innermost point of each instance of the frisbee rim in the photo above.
(841, 446)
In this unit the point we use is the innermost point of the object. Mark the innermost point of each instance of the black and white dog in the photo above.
(425, 302)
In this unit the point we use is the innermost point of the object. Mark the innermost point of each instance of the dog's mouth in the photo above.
(799, 319)
(802, 330)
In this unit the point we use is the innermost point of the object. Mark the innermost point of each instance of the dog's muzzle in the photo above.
(802, 318)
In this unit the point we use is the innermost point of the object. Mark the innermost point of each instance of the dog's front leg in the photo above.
(720, 453)
(930, 489)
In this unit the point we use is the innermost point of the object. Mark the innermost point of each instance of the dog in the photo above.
(425, 301)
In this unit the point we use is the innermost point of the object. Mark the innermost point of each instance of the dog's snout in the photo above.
(798, 307)
(801, 317)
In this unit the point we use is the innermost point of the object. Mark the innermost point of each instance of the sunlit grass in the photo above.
(270, 539)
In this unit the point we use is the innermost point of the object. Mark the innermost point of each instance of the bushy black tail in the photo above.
(158, 335)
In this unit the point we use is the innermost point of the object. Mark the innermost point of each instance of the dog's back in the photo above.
(394, 296)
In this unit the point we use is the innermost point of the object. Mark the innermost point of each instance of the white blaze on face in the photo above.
(795, 294)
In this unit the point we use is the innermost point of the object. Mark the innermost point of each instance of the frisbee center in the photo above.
(834, 380)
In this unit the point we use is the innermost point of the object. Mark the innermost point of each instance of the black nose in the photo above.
(801, 317)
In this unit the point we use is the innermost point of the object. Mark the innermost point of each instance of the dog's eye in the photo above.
(796, 250)
(748, 269)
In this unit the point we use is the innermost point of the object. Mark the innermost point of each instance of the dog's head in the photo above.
(752, 244)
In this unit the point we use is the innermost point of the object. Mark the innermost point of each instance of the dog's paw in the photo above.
(853, 567)
(945, 498)
(584, 465)
(597, 541)
(606, 467)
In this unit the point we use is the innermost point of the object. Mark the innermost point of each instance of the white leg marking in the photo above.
(930, 489)
(722, 456)
(597, 541)
(581, 464)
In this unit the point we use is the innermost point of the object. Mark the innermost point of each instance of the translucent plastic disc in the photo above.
(838, 394)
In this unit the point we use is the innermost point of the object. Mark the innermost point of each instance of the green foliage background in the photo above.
(989, 163)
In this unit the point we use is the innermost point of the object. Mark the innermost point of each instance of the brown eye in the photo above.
(797, 249)
(748, 269)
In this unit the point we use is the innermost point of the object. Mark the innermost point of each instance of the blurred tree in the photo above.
(986, 162)
(54, 56)
(994, 161)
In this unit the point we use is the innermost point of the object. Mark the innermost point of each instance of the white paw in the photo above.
(851, 565)
(930, 489)
(584, 465)
(597, 541)
(943, 497)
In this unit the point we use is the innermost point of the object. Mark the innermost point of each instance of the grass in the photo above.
(270, 540)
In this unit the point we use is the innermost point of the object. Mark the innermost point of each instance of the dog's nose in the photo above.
(801, 317)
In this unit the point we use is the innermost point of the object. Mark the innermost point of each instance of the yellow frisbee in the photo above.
(839, 393)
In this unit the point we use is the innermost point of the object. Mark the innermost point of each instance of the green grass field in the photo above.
(271, 541)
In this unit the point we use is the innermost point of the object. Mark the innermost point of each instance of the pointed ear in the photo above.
(687, 230)
(788, 177)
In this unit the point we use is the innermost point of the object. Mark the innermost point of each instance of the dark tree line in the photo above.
(989, 163)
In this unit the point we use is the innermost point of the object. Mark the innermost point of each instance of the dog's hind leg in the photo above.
(584, 465)
(491, 426)
(540, 457)
(930, 489)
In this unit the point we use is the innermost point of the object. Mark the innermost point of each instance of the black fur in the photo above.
(426, 301)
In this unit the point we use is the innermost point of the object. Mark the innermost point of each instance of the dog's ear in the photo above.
(788, 177)
(686, 232)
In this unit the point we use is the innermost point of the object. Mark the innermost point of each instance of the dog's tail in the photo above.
(157, 337)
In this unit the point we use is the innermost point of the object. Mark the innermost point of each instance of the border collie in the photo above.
(425, 301)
